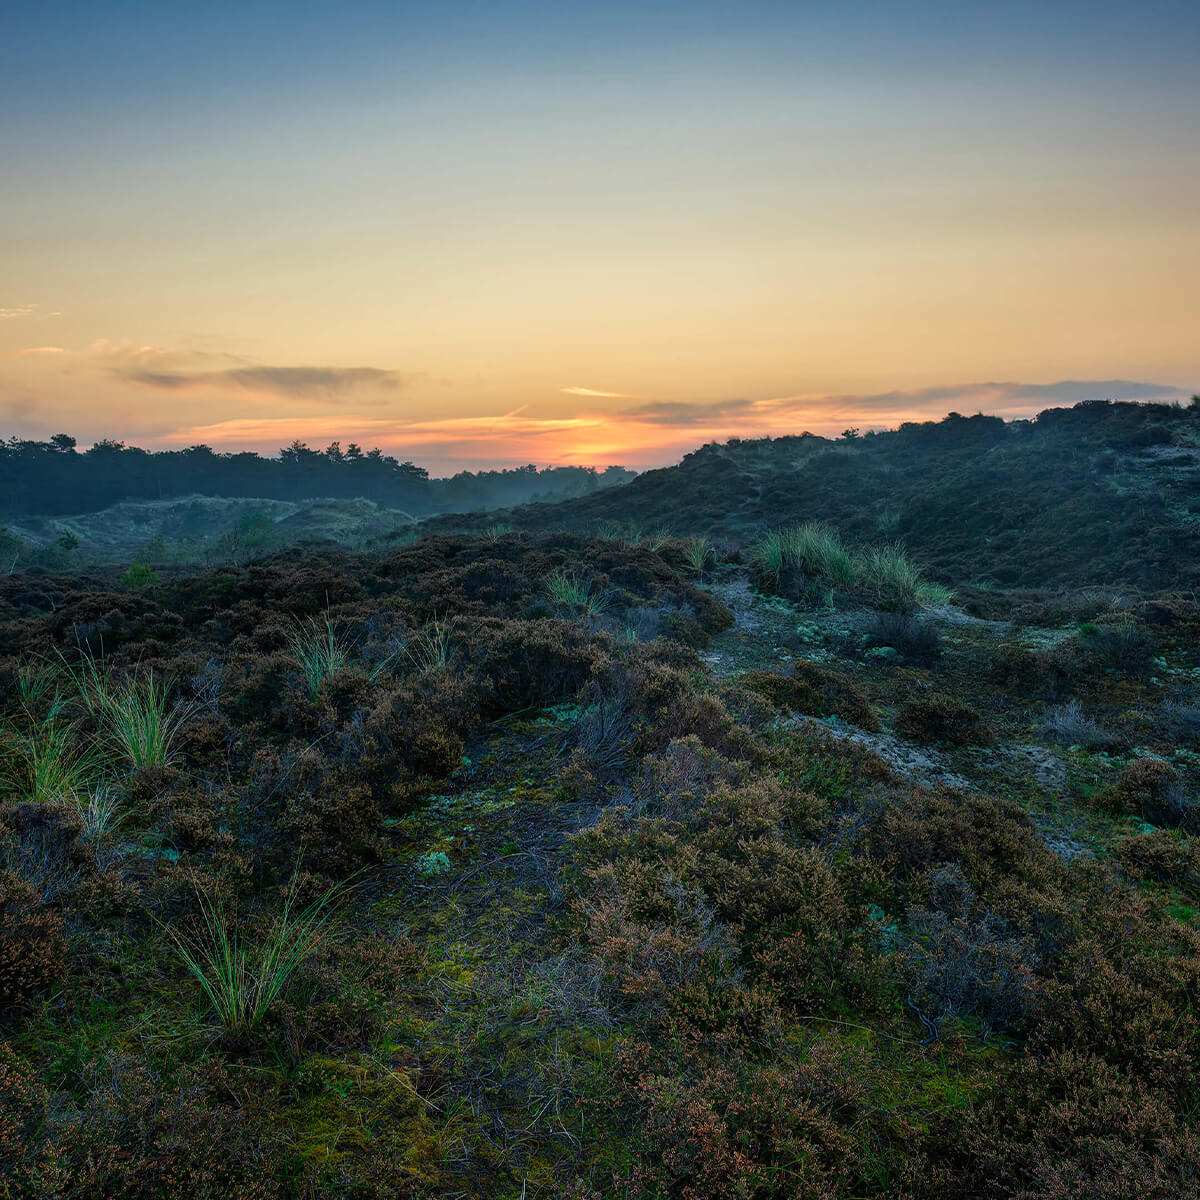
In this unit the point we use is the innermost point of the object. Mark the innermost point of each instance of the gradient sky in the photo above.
(558, 232)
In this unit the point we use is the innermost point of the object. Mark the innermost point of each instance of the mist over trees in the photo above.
(55, 478)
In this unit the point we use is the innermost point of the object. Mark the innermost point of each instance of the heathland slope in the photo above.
(1096, 494)
(553, 866)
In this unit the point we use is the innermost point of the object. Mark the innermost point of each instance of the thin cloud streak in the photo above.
(326, 383)
(582, 391)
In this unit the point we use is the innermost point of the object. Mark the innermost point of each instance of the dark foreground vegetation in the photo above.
(549, 865)
(1094, 494)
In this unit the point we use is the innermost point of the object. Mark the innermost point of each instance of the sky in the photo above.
(481, 234)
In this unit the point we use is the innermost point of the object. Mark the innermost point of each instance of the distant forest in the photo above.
(53, 478)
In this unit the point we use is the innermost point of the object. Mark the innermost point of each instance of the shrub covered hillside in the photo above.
(1099, 493)
(547, 865)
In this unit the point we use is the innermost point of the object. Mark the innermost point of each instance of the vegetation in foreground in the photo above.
(551, 865)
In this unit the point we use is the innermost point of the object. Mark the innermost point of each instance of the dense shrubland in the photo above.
(1101, 493)
(498, 865)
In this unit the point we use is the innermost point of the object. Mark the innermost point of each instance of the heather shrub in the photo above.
(1150, 789)
(1047, 674)
(937, 717)
(1166, 856)
(915, 637)
(526, 663)
(32, 947)
(959, 960)
(741, 1128)
(814, 690)
(1121, 989)
(145, 1137)
(992, 840)
(1120, 642)
(1070, 1124)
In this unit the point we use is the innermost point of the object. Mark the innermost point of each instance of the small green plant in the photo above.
(696, 553)
(319, 649)
(495, 532)
(434, 863)
(49, 763)
(139, 575)
(101, 815)
(35, 682)
(429, 649)
(141, 722)
(568, 590)
(243, 979)
(655, 540)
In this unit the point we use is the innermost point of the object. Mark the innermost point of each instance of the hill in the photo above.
(1099, 493)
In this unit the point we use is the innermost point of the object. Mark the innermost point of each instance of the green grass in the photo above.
(696, 553)
(885, 575)
(242, 979)
(568, 590)
(141, 722)
(50, 762)
(319, 650)
(429, 649)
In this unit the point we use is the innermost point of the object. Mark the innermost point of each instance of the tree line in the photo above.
(55, 478)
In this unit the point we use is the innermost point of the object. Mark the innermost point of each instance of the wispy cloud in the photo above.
(325, 383)
(20, 310)
(582, 391)
(1005, 399)
(33, 350)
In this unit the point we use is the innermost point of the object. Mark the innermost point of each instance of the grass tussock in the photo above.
(243, 977)
(141, 722)
(813, 555)
(571, 592)
(50, 762)
(319, 649)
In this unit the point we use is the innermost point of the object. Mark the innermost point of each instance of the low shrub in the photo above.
(1048, 674)
(937, 717)
(959, 960)
(1068, 725)
(1121, 642)
(1166, 856)
(1151, 789)
(914, 637)
(815, 691)
(1070, 1124)
(32, 947)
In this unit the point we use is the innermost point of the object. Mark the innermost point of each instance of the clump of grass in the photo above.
(242, 979)
(890, 576)
(35, 683)
(90, 677)
(818, 550)
(50, 762)
(814, 549)
(567, 589)
(101, 815)
(429, 649)
(885, 575)
(934, 595)
(141, 722)
(319, 649)
(654, 540)
(696, 553)
(495, 532)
